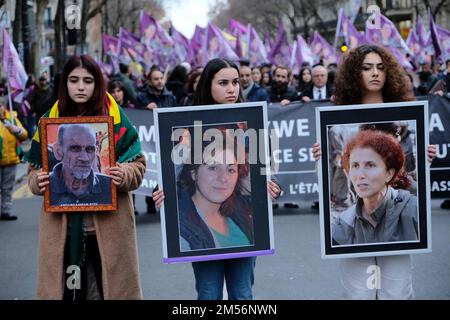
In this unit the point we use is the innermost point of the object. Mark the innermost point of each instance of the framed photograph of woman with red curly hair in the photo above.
(374, 179)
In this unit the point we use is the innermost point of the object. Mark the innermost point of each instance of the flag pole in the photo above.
(11, 114)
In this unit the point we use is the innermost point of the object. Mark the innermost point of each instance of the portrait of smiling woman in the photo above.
(214, 200)
(384, 211)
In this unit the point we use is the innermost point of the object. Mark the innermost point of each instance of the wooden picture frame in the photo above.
(85, 167)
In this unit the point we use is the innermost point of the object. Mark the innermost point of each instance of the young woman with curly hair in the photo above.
(370, 74)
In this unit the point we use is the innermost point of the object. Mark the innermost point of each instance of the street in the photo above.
(296, 271)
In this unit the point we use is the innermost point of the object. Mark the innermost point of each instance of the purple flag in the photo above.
(237, 28)
(182, 49)
(440, 39)
(216, 46)
(386, 34)
(281, 50)
(418, 52)
(130, 44)
(321, 49)
(300, 53)
(256, 52)
(111, 49)
(268, 42)
(346, 29)
(401, 58)
(13, 67)
(197, 41)
(424, 37)
(156, 39)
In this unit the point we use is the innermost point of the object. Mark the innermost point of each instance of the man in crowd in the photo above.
(280, 91)
(251, 91)
(320, 89)
(155, 94)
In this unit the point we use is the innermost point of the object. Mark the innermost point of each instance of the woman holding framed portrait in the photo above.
(219, 84)
(369, 74)
(95, 251)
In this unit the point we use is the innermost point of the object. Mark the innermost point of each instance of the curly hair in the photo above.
(348, 83)
(387, 147)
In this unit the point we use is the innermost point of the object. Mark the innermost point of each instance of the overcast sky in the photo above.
(185, 14)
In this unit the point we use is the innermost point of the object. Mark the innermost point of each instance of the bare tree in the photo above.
(89, 10)
(435, 6)
(265, 16)
(125, 13)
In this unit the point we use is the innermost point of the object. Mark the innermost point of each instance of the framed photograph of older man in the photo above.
(78, 153)
(374, 179)
(214, 169)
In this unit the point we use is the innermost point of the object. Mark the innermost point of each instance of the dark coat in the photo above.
(148, 95)
(277, 95)
(309, 92)
(257, 93)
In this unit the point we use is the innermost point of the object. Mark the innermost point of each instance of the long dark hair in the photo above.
(203, 94)
(348, 83)
(97, 104)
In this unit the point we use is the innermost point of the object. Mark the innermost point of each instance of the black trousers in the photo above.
(93, 259)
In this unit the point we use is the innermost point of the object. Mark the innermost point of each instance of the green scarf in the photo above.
(127, 149)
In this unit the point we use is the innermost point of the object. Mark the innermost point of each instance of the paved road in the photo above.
(296, 271)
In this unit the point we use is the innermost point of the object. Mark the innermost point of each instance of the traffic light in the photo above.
(344, 47)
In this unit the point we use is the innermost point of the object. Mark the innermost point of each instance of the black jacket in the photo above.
(309, 92)
(277, 95)
(148, 95)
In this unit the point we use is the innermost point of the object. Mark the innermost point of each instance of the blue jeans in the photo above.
(239, 274)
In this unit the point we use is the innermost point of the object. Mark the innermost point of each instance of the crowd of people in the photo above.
(104, 246)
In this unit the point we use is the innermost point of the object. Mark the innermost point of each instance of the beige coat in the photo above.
(116, 237)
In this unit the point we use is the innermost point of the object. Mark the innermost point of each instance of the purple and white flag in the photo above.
(385, 34)
(156, 39)
(130, 43)
(401, 58)
(13, 68)
(237, 28)
(257, 53)
(268, 42)
(281, 52)
(424, 37)
(111, 49)
(300, 53)
(322, 50)
(440, 39)
(346, 29)
(418, 52)
(182, 51)
(196, 43)
(216, 46)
